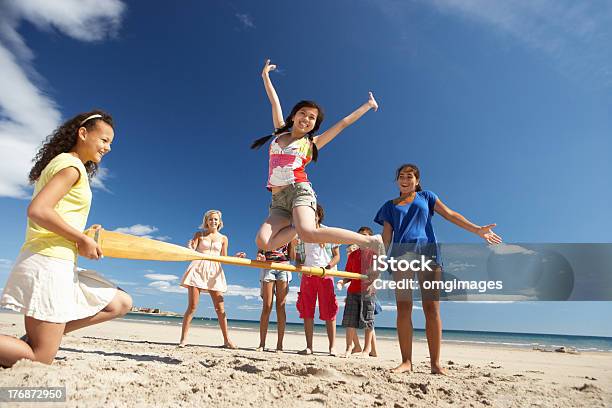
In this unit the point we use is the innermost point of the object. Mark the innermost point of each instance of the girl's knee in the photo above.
(44, 355)
(266, 310)
(306, 234)
(261, 242)
(431, 309)
(126, 303)
(404, 309)
(120, 305)
(220, 309)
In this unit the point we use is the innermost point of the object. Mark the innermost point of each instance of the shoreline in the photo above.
(419, 333)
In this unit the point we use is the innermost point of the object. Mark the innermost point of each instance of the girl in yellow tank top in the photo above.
(44, 285)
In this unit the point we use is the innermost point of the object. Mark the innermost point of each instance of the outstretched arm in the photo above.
(277, 112)
(485, 232)
(329, 135)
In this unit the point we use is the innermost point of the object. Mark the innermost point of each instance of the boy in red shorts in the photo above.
(313, 287)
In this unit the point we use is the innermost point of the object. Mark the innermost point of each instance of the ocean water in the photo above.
(520, 340)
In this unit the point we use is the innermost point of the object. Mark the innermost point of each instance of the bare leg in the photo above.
(217, 299)
(44, 341)
(304, 220)
(119, 306)
(433, 331)
(193, 297)
(268, 288)
(275, 232)
(373, 353)
(367, 348)
(330, 326)
(370, 343)
(356, 345)
(308, 332)
(351, 337)
(282, 290)
(404, 335)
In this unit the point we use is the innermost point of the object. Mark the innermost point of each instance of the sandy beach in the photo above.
(128, 364)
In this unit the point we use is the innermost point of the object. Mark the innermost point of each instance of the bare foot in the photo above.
(356, 350)
(372, 354)
(260, 348)
(305, 352)
(181, 344)
(278, 350)
(402, 368)
(437, 369)
(333, 353)
(229, 345)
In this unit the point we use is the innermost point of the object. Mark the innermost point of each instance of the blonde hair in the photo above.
(207, 215)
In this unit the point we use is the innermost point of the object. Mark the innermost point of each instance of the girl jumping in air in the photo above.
(406, 222)
(293, 146)
(45, 285)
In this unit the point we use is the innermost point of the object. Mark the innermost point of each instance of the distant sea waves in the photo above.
(521, 340)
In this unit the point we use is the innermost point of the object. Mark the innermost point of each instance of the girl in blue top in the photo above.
(406, 222)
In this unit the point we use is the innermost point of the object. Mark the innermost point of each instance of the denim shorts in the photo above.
(294, 195)
(269, 275)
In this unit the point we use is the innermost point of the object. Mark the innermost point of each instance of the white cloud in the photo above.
(508, 249)
(165, 286)
(98, 180)
(137, 229)
(5, 263)
(238, 290)
(144, 231)
(160, 277)
(27, 113)
(246, 20)
(573, 35)
(123, 283)
(459, 266)
(249, 307)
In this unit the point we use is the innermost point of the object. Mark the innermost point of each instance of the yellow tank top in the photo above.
(73, 208)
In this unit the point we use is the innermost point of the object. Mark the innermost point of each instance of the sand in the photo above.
(131, 364)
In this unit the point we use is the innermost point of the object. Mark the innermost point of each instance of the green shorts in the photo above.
(292, 196)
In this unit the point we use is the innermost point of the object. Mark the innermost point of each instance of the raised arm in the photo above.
(485, 232)
(277, 111)
(329, 135)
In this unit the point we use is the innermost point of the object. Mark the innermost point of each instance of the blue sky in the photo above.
(505, 108)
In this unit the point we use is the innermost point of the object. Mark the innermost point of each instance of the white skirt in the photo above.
(55, 290)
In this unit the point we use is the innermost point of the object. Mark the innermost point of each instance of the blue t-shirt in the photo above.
(411, 222)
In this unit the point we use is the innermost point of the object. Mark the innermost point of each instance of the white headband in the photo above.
(96, 115)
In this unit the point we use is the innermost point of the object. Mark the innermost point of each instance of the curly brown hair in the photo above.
(64, 138)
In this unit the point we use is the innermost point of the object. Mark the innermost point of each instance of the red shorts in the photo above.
(312, 287)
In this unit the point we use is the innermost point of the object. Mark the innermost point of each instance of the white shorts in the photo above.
(55, 290)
